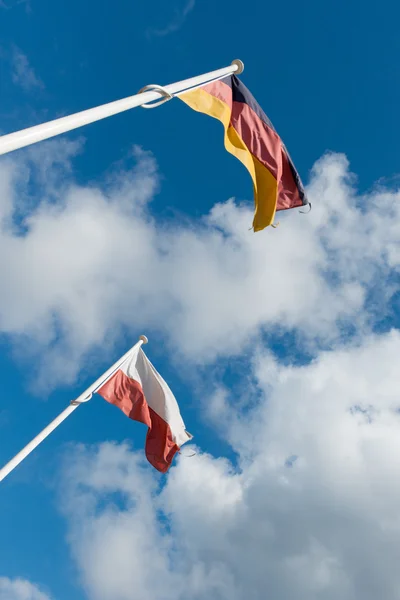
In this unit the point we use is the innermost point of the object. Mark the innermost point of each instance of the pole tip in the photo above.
(239, 64)
(144, 339)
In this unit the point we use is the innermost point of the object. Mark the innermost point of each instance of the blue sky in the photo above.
(212, 306)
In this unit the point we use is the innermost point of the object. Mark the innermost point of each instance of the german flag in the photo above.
(251, 137)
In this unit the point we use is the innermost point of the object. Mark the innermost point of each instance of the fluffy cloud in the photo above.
(309, 510)
(85, 261)
(23, 74)
(20, 589)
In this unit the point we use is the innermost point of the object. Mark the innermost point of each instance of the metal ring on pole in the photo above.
(76, 402)
(157, 88)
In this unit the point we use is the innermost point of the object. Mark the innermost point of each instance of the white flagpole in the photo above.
(84, 397)
(31, 135)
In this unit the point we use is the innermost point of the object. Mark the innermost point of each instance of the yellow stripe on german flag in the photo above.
(251, 137)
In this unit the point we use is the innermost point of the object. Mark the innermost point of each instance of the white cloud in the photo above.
(325, 528)
(23, 74)
(311, 508)
(84, 262)
(179, 18)
(20, 589)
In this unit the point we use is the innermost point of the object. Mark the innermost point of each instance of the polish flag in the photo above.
(143, 395)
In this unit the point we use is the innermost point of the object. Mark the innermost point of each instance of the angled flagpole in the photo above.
(84, 397)
(31, 135)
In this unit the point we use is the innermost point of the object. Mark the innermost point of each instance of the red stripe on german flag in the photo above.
(251, 137)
